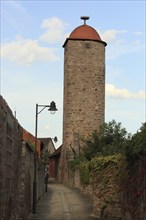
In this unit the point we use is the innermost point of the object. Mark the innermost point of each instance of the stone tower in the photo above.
(84, 91)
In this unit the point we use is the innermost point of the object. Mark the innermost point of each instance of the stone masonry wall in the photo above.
(10, 162)
(84, 96)
(26, 184)
(118, 191)
(27, 177)
(16, 169)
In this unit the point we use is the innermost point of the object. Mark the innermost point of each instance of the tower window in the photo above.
(87, 45)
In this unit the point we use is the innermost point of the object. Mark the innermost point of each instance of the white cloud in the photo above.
(27, 51)
(11, 11)
(121, 47)
(54, 30)
(16, 7)
(139, 33)
(111, 35)
(114, 92)
(47, 127)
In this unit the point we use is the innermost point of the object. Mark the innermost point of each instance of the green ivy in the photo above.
(74, 164)
(45, 156)
(100, 163)
(84, 173)
(31, 145)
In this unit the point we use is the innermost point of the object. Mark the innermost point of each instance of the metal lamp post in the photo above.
(52, 109)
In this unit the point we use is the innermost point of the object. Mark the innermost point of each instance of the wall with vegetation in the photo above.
(113, 169)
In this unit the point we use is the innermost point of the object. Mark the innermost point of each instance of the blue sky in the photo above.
(32, 58)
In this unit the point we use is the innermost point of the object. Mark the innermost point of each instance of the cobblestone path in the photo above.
(63, 203)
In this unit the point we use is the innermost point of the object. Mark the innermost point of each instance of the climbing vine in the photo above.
(31, 145)
(84, 173)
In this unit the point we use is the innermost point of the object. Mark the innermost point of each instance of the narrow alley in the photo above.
(63, 203)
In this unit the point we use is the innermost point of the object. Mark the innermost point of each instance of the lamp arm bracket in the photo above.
(44, 106)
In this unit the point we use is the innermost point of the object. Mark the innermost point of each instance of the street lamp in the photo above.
(52, 109)
(55, 139)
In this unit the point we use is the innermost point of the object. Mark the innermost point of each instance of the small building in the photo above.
(47, 144)
(54, 163)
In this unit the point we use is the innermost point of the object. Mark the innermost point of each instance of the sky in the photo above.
(32, 59)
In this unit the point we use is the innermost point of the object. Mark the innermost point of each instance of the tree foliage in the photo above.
(111, 139)
(137, 145)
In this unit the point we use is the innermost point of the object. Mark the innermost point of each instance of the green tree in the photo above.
(111, 139)
(137, 145)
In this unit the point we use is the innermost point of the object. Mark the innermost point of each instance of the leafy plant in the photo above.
(111, 139)
(45, 156)
(31, 145)
(136, 147)
(84, 173)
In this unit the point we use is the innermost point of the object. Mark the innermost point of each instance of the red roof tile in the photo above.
(85, 32)
(29, 138)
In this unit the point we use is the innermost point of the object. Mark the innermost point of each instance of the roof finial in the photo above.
(84, 18)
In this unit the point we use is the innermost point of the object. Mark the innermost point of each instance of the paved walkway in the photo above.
(63, 203)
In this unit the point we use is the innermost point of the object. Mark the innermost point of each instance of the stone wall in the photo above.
(133, 186)
(26, 186)
(16, 169)
(27, 178)
(84, 96)
(10, 162)
(106, 187)
(27, 173)
(118, 190)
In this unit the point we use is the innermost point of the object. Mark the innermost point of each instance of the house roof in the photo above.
(30, 139)
(45, 141)
(56, 152)
(48, 143)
